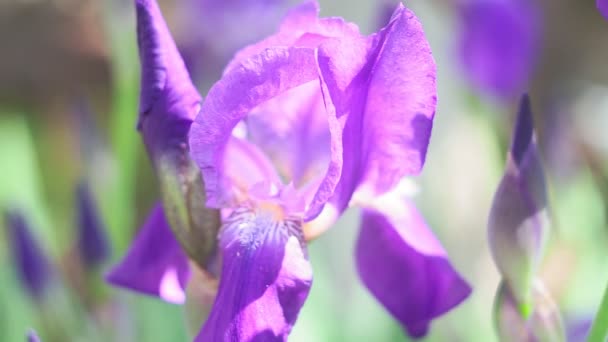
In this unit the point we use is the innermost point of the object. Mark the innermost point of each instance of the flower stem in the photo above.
(599, 329)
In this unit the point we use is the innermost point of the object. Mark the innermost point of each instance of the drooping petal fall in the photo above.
(403, 265)
(265, 279)
(155, 264)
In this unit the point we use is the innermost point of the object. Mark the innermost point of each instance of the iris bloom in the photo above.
(519, 223)
(302, 125)
(499, 44)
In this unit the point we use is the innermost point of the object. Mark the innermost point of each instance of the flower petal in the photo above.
(246, 166)
(499, 44)
(155, 264)
(292, 129)
(169, 101)
(403, 264)
(257, 80)
(265, 280)
(385, 85)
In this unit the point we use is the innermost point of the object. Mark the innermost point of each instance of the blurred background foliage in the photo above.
(68, 105)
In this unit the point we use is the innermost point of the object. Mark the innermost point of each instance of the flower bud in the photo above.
(543, 323)
(30, 261)
(92, 241)
(518, 221)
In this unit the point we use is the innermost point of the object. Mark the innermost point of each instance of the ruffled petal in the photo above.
(301, 27)
(403, 265)
(265, 280)
(499, 44)
(255, 81)
(155, 264)
(385, 86)
(169, 101)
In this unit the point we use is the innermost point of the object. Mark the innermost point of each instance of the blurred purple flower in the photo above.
(578, 329)
(31, 263)
(92, 241)
(518, 222)
(204, 53)
(303, 124)
(602, 5)
(499, 44)
(32, 336)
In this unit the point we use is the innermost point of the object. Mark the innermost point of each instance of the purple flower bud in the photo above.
(518, 220)
(92, 241)
(30, 261)
(168, 104)
(544, 322)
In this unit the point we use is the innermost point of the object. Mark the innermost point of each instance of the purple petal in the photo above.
(169, 101)
(389, 95)
(246, 166)
(259, 73)
(265, 280)
(263, 77)
(404, 266)
(292, 129)
(499, 44)
(602, 6)
(155, 264)
(92, 241)
(31, 263)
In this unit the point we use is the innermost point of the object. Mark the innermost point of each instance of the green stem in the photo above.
(599, 329)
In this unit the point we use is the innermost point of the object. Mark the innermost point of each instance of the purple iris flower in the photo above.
(302, 125)
(31, 263)
(499, 44)
(602, 5)
(92, 241)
